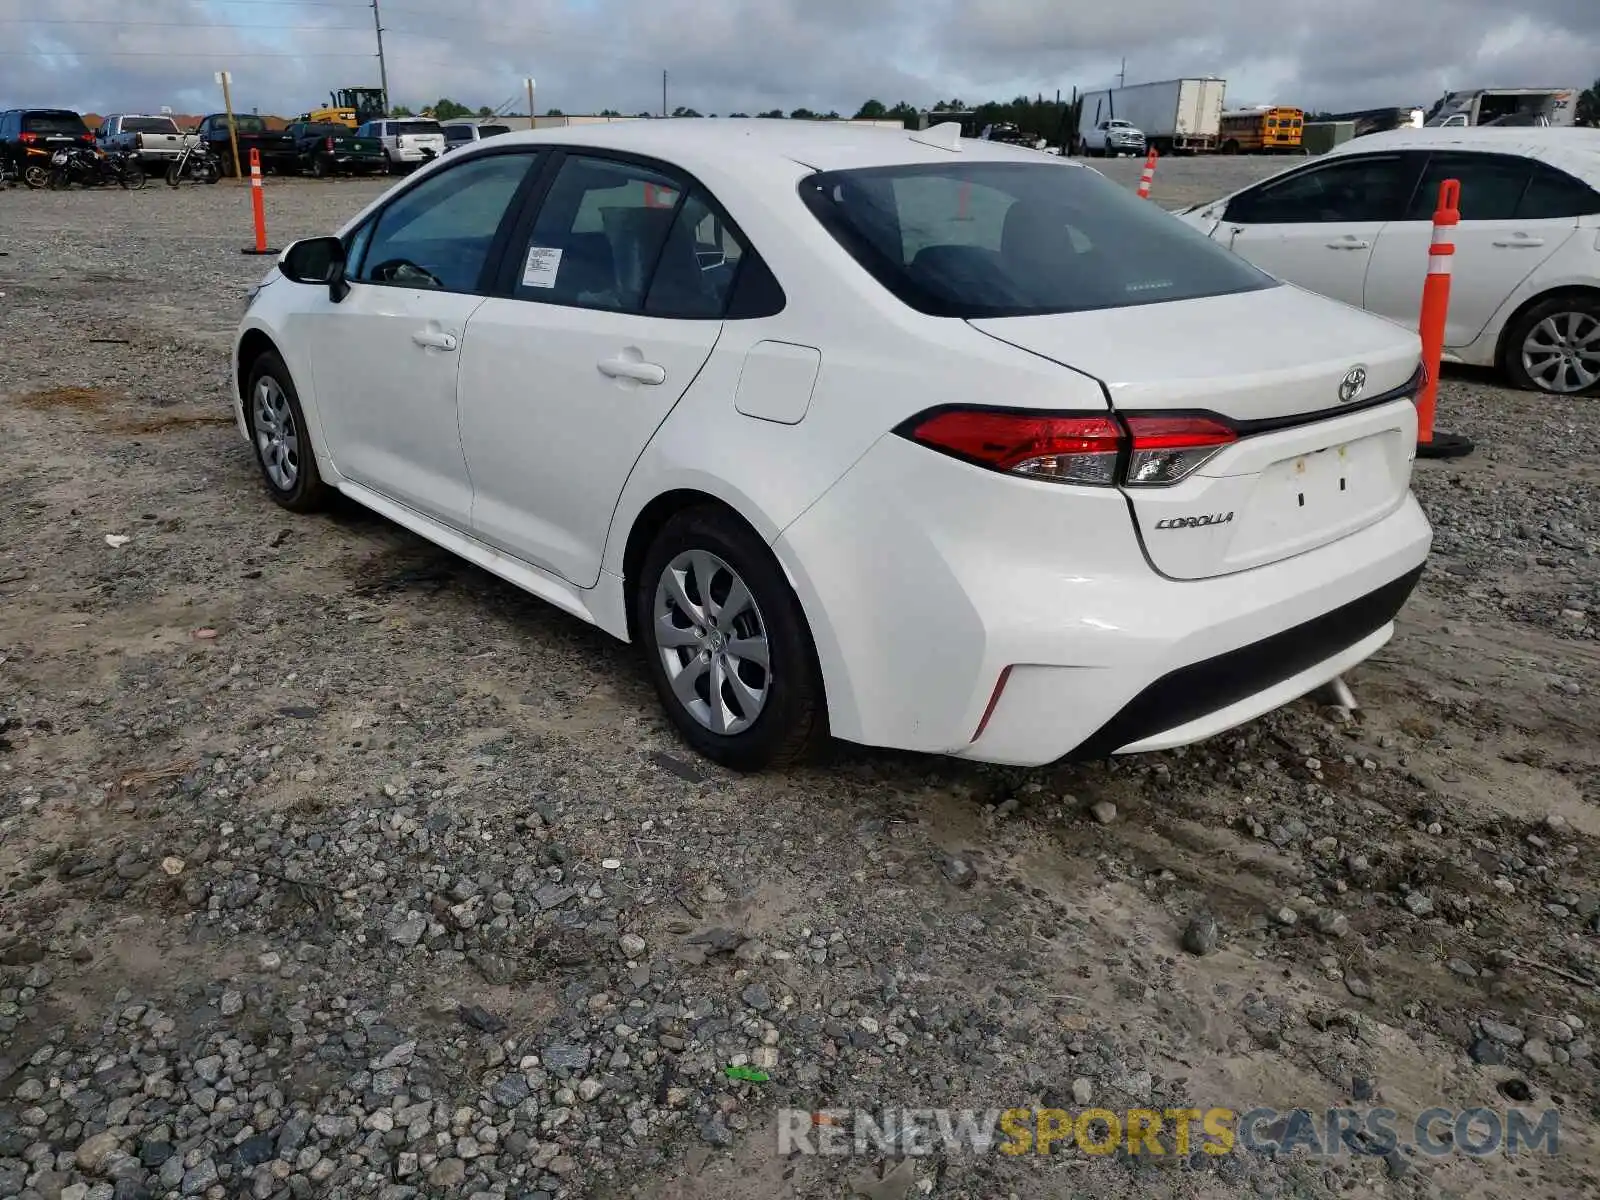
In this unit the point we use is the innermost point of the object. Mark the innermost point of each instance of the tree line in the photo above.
(1039, 117)
(1052, 120)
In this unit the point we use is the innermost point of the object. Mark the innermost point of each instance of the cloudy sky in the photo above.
(749, 55)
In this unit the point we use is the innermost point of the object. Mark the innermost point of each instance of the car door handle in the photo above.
(434, 339)
(1518, 241)
(1350, 243)
(627, 368)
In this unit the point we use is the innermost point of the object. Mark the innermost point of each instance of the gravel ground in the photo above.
(330, 866)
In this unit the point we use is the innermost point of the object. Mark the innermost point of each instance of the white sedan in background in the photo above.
(929, 443)
(1356, 223)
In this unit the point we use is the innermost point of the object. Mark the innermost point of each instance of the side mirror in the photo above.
(316, 261)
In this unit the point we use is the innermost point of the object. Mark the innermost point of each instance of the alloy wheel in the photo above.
(1562, 352)
(712, 641)
(277, 439)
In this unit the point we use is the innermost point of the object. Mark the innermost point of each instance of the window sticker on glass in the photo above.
(541, 267)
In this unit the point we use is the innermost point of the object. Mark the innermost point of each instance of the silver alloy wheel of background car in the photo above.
(712, 641)
(1562, 352)
(277, 439)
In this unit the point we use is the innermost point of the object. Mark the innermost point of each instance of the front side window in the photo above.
(438, 234)
(995, 239)
(1366, 188)
(598, 235)
(1491, 185)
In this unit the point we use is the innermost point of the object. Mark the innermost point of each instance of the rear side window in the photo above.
(1554, 194)
(148, 125)
(598, 235)
(695, 273)
(995, 239)
(457, 133)
(1491, 185)
(438, 234)
(53, 122)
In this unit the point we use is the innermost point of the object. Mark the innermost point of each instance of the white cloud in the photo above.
(759, 54)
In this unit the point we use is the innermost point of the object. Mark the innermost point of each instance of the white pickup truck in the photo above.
(156, 141)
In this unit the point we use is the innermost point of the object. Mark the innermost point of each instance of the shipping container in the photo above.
(1174, 115)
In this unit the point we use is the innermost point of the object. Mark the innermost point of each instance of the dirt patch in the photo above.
(77, 399)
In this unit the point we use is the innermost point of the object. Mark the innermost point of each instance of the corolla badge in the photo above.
(1352, 385)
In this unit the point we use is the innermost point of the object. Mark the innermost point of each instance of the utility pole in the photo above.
(663, 93)
(1122, 75)
(383, 71)
(529, 82)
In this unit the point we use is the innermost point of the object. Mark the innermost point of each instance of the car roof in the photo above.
(743, 144)
(1576, 151)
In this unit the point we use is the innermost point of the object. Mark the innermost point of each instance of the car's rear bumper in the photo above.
(1006, 620)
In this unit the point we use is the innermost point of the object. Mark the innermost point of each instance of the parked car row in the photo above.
(29, 137)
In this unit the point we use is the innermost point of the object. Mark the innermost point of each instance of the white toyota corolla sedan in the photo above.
(926, 443)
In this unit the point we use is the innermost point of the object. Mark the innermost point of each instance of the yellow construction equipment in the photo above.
(349, 106)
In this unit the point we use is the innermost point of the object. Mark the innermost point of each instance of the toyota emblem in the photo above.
(1351, 386)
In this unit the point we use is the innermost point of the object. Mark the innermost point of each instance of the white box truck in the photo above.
(1174, 115)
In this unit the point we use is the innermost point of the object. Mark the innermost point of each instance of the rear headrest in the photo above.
(636, 236)
(1032, 229)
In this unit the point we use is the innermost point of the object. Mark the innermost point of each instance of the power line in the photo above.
(215, 55)
(183, 25)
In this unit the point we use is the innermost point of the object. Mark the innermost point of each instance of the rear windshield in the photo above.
(493, 130)
(416, 127)
(457, 133)
(53, 122)
(148, 125)
(999, 239)
(244, 124)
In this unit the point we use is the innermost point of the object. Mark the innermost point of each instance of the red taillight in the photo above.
(1063, 448)
(1076, 448)
(28, 139)
(1166, 449)
(86, 137)
(329, 143)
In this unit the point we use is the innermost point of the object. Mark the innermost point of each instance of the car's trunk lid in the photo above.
(1316, 460)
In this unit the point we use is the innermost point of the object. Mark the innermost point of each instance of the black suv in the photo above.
(29, 136)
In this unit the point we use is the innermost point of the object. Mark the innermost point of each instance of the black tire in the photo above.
(307, 492)
(792, 723)
(209, 175)
(132, 175)
(36, 176)
(319, 167)
(173, 177)
(1583, 309)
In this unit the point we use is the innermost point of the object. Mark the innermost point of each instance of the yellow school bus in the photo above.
(1262, 131)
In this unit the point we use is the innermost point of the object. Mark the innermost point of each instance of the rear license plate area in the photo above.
(1326, 487)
